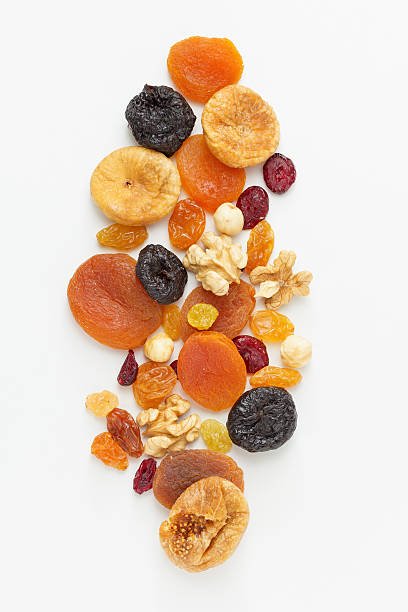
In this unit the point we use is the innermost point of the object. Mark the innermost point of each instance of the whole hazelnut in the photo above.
(159, 347)
(228, 219)
(296, 351)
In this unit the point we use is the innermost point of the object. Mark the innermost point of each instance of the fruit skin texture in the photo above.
(107, 450)
(254, 205)
(171, 320)
(143, 480)
(128, 371)
(260, 245)
(271, 376)
(186, 224)
(271, 326)
(215, 436)
(200, 66)
(125, 431)
(252, 351)
(101, 403)
(160, 118)
(279, 173)
(110, 303)
(161, 273)
(122, 237)
(135, 186)
(262, 419)
(154, 382)
(211, 371)
(205, 524)
(177, 471)
(202, 316)
(207, 181)
(234, 309)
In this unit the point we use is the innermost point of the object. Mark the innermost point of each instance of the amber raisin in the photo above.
(101, 403)
(186, 224)
(154, 382)
(122, 237)
(271, 376)
(171, 320)
(125, 431)
(271, 326)
(105, 448)
(260, 245)
(202, 316)
(215, 436)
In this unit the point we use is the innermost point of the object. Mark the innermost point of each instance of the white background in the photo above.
(329, 509)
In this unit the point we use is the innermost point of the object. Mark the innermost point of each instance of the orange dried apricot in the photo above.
(260, 245)
(208, 181)
(171, 320)
(271, 326)
(271, 376)
(122, 237)
(200, 66)
(186, 224)
(154, 382)
(110, 303)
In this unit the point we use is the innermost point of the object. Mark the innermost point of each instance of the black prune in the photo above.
(161, 273)
(262, 419)
(160, 118)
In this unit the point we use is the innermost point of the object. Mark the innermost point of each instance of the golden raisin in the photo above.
(202, 316)
(186, 224)
(101, 403)
(107, 450)
(122, 237)
(271, 376)
(171, 320)
(215, 436)
(271, 326)
(260, 245)
(154, 382)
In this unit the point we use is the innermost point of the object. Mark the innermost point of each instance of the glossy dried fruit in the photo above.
(254, 204)
(215, 436)
(160, 118)
(110, 303)
(205, 524)
(211, 370)
(125, 431)
(186, 224)
(262, 419)
(161, 273)
(208, 181)
(101, 403)
(234, 309)
(178, 471)
(260, 245)
(143, 480)
(171, 320)
(128, 371)
(279, 173)
(270, 326)
(202, 316)
(107, 450)
(252, 351)
(135, 186)
(200, 66)
(122, 237)
(271, 376)
(240, 128)
(154, 382)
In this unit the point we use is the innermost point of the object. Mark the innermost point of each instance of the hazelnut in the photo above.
(228, 219)
(159, 347)
(296, 351)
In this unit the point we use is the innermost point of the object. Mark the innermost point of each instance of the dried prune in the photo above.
(128, 371)
(143, 480)
(161, 273)
(125, 431)
(262, 419)
(279, 173)
(254, 205)
(252, 351)
(160, 118)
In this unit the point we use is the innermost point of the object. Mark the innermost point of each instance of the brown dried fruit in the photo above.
(125, 431)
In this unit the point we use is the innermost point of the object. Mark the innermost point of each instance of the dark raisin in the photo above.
(143, 480)
(160, 118)
(262, 419)
(161, 273)
(174, 365)
(125, 431)
(279, 173)
(254, 205)
(252, 351)
(128, 371)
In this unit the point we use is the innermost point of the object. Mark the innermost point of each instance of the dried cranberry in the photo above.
(143, 480)
(128, 371)
(279, 173)
(174, 365)
(254, 205)
(252, 351)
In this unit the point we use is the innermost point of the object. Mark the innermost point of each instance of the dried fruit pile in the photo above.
(121, 302)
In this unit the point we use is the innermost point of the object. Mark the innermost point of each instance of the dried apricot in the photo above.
(177, 471)
(215, 436)
(271, 326)
(186, 224)
(202, 316)
(171, 320)
(105, 448)
(260, 245)
(234, 309)
(122, 237)
(211, 370)
(200, 66)
(125, 431)
(207, 180)
(110, 303)
(271, 376)
(154, 382)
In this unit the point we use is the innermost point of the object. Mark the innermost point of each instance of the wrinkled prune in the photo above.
(161, 273)
(254, 205)
(252, 351)
(128, 371)
(160, 118)
(262, 419)
(143, 480)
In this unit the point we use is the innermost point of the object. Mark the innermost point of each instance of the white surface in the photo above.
(328, 525)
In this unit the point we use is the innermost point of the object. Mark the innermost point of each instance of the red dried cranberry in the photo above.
(143, 480)
(252, 351)
(254, 205)
(128, 371)
(279, 173)
(174, 366)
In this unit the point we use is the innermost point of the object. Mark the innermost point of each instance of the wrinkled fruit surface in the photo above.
(122, 237)
(128, 371)
(207, 181)
(252, 351)
(125, 431)
(205, 524)
(215, 436)
(202, 316)
(260, 245)
(143, 480)
(171, 321)
(262, 419)
(177, 471)
(154, 382)
(186, 224)
(271, 326)
(271, 376)
(234, 309)
(110, 303)
(279, 173)
(211, 371)
(107, 450)
(254, 205)
(161, 273)
(101, 403)
(200, 66)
